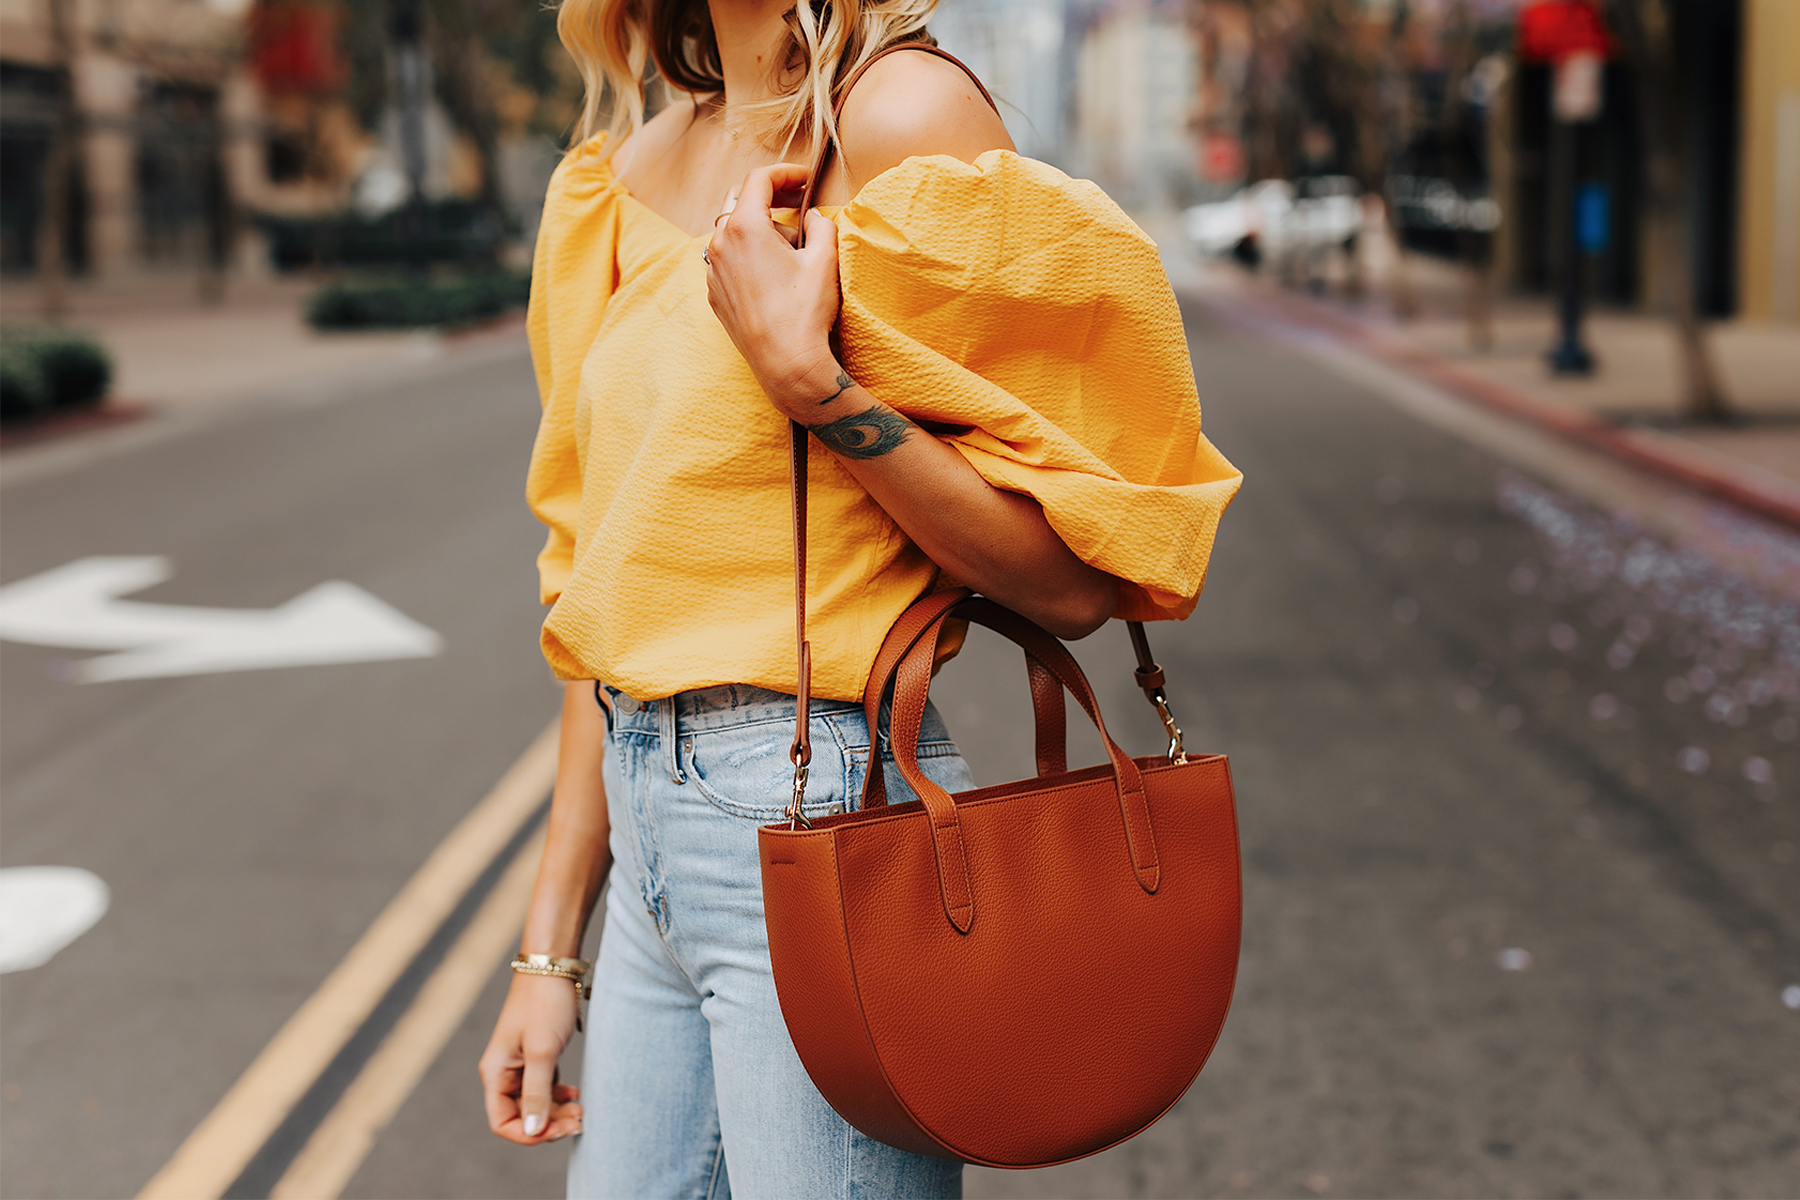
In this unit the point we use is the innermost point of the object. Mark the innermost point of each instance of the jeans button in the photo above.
(627, 704)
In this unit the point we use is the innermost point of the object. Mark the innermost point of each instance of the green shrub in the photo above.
(22, 390)
(417, 303)
(45, 370)
(78, 371)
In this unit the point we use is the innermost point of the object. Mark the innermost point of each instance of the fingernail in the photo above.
(534, 1124)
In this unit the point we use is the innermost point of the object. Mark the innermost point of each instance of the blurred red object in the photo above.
(1221, 158)
(294, 46)
(1556, 29)
(1553, 30)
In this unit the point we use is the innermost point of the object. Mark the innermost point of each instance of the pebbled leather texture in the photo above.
(1018, 975)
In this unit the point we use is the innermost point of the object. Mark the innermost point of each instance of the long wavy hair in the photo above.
(612, 41)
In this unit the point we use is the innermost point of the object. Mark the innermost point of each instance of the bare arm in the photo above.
(525, 1104)
(995, 541)
(779, 305)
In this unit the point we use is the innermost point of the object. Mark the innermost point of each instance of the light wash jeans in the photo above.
(691, 1085)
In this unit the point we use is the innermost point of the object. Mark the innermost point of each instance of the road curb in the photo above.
(36, 431)
(1756, 491)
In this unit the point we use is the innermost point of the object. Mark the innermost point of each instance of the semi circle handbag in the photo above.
(1014, 976)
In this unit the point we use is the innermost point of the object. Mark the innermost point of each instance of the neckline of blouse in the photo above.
(603, 163)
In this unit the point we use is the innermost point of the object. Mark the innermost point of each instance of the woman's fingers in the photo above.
(757, 195)
(821, 237)
(564, 1120)
(537, 1084)
(500, 1095)
(725, 209)
(745, 209)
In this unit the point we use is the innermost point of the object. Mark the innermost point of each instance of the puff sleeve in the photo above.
(573, 274)
(1025, 311)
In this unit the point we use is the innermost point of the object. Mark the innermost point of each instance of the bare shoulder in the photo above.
(911, 104)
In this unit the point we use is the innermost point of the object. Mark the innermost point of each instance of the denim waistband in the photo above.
(729, 705)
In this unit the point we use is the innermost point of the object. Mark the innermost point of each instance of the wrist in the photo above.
(801, 380)
(549, 966)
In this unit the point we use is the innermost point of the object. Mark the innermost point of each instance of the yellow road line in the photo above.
(347, 1134)
(223, 1144)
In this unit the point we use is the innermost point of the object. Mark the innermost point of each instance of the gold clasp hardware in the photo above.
(1177, 754)
(794, 813)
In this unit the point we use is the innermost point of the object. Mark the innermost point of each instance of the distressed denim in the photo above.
(690, 1083)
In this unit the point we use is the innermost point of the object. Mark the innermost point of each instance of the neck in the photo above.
(750, 33)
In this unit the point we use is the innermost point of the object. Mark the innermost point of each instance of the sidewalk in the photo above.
(174, 354)
(1630, 407)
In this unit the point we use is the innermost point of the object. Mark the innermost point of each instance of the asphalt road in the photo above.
(1520, 909)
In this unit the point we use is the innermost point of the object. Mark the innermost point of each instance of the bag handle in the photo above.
(1051, 733)
(1051, 747)
(912, 685)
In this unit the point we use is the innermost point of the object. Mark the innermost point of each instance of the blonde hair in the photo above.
(612, 41)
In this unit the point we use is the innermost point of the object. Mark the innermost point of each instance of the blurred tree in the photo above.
(540, 88)
(459, 35)
(498, 69)
(1329, 65)
(1465, 167)
(1643, 28)
(1271, 117)
(364, 45)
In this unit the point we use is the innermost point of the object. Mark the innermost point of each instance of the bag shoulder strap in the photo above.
(828, 147)
(801, 751)
(1148, 674)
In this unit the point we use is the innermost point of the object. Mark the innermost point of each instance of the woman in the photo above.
(1006, 396)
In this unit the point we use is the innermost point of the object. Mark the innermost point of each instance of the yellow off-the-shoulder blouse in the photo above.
(1001, 298)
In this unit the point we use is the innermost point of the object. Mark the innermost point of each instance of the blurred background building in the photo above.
(244, 136)
(137, 107)
(240, 136)
(1439, 106)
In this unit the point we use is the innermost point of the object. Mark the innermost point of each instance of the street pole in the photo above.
(409, 70)
(53, 227)
(1575, 98)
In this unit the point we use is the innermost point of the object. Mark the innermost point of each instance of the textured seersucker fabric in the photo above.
(1015, 307)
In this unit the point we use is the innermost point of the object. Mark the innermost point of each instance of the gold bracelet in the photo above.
(537, 963)
(574, 970)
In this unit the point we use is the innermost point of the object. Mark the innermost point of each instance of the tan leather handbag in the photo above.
(1018, 975)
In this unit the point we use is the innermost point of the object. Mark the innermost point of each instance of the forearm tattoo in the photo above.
(871, 433)
(844, 384)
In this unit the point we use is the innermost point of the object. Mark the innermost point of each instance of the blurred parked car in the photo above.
(1277, 220)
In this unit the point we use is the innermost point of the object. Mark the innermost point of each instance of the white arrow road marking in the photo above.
(78, 606)
(43, 909)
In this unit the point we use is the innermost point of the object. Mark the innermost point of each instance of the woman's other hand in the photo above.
(778, 303)
(525, 1103)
